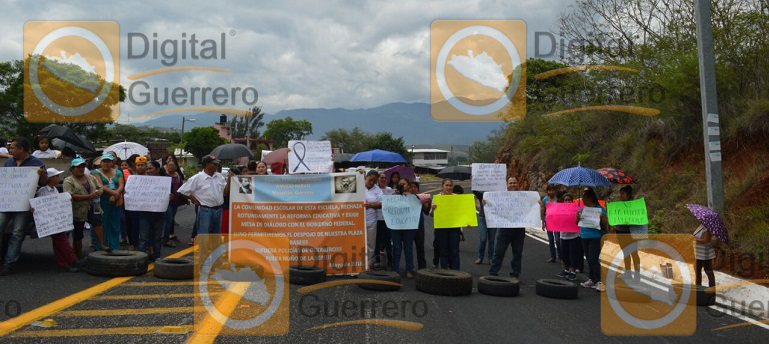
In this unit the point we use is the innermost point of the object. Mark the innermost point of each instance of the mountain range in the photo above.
(412, 121)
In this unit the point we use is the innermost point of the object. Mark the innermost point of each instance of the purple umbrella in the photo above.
(711, 220)
(403, 171)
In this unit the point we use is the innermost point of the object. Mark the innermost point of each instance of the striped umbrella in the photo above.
(579, 176)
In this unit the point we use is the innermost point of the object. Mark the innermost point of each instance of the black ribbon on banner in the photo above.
(301, 159)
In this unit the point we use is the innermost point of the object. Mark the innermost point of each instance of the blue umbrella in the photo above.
(378, 155)
(579, 176)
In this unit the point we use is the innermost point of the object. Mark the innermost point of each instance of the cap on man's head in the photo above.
(51, 172)
(210, 159)
(140, 160)
(107, 156)
(78, 162)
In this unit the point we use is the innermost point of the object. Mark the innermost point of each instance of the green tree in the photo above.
(12, 109)
(349, 141)
(201, 141)
(283, 130)
(248, 126)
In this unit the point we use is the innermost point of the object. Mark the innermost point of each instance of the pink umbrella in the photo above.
(402, 170)
(278, 155)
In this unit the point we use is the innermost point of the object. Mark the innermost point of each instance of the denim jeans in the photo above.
(150, 228)
(383, 239)
(508, 237)
(19, 221)
(592, 249)
(486, 235)
(209, 220)
(554, 238)
(170, 215)
(448, 243)
(403, 240)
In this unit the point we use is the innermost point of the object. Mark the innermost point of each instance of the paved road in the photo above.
(116, 314)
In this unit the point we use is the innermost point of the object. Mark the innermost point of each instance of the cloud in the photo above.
(298, 54)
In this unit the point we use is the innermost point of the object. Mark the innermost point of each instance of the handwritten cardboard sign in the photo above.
(590, 217)
(628, 213)
(562, 217)
(309, 157)
(489, 177)
(147, 193)
(53, 214)
(17, 187)
(401, 211)
(512, 209)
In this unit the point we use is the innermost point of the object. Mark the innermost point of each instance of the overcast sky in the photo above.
(297, 54)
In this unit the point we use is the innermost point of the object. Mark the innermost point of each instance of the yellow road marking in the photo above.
(124, 311)
(79, 332)
(146, 296)
(209, 328)
(401, 324)
(164, 284)
(11, 325)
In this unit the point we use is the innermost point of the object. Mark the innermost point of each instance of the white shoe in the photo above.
(599, 287)
(588, 284)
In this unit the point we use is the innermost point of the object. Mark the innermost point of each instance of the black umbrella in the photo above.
(55, 131)
(231, 151)
(456, 172)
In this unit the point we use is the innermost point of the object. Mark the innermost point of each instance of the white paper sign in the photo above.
(714, 145)
(714, 131)
(712, 118)
(17, 187)
(53, 214)
(489, 177)
(715, 156)
(591, 217)
(147, 193)
(512, 209)
(309, 157)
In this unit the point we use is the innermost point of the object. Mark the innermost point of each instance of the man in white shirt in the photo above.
(372, 203)
(207, 189)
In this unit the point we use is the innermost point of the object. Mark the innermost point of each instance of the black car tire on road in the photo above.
(117, 263)
(389, 276)
(557, 289)
(498, 286)
(444, 282)
(306, 275)
(174, 268)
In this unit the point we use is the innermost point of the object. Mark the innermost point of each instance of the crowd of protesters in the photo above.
(97, 187)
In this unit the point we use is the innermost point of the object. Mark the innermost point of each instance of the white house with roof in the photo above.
(430, 158)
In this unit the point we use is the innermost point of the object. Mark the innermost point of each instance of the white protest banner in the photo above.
(147, 193)
(489, 177)
(53, 214)
(17, 187)
(591, 217)
(512, 209)
(401, 211)
(310, 157)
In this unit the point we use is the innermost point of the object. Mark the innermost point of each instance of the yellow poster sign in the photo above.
(454, 211)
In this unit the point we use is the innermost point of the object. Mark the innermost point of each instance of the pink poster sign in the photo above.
(562, 217)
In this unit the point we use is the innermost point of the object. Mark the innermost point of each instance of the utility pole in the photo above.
(181, 139)
(710, 126)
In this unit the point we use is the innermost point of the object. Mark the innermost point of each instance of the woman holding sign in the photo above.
(85, 191)
(403, 239)
(592, 224)
(624, 237)
(372, 202)
(447, 238)
(150, 224)
(112, 181)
